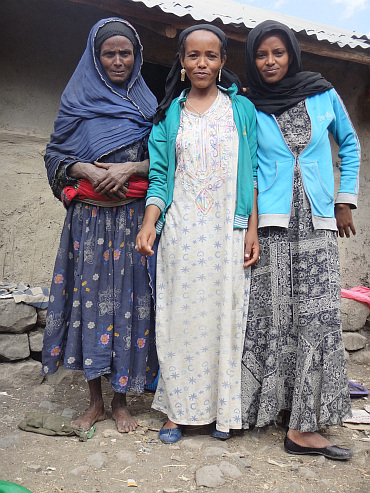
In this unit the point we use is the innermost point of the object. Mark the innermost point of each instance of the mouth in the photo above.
(271, 71)
(201, 74)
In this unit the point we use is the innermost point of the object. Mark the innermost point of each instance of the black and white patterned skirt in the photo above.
(293, 355)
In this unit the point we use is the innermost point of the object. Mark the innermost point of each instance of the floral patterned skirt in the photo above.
(293, 355)
(100, 317)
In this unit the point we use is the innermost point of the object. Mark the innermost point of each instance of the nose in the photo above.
(270, 59)
(202, 61)
(117, 59)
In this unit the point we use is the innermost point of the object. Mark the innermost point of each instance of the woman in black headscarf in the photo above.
(293, 356)
(202, 169)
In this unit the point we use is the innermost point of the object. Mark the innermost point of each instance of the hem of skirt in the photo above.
(320, 426)
(99, 374)
(234, 426)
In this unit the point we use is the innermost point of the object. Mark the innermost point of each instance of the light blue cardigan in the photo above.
(276, 164)
(163, 157)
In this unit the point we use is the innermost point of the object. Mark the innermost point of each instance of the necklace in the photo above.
(192, 107)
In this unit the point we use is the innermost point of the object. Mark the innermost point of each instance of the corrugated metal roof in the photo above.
(237, 14)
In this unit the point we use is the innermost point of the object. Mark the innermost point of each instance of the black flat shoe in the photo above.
(332, 452)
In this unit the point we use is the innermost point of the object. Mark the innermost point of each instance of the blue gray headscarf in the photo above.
(97, 116)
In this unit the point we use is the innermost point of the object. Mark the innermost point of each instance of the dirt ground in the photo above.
(108, 461)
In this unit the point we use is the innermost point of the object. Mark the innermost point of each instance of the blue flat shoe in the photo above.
(169, 435)
(221, 435)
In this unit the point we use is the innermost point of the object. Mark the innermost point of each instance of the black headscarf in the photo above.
(174, 86)
(294, 87)
(114, 28)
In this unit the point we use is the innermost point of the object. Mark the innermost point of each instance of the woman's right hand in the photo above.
(146, 236)
(145, 240)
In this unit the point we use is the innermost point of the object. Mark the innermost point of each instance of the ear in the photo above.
(223, 61)
(181, 58)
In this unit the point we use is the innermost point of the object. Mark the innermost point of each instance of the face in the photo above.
(272, 59)
(117, 59)
(202, 60)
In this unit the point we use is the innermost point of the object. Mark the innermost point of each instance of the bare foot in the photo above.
(124, 421)
(308, 439)
(94, 413)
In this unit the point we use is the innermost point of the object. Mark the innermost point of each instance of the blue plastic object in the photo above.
(152, 387)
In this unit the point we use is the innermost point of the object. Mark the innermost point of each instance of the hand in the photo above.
(251, 248)
(343, 215)
(145, 240)
(95, 175)
(116, 176)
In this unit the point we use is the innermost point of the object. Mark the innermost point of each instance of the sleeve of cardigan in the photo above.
(158, 168)
(252, 140)
(349, 152)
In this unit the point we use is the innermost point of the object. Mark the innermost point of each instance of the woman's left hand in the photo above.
(343, 215)
(251, 248)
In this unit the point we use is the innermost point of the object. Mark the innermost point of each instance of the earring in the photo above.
(183, 72)
(219, 75)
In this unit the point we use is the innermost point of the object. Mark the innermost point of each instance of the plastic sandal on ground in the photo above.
(169, 435)
(221, 435)
(357, 390)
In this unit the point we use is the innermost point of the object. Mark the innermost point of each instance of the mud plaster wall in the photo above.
(40, 45)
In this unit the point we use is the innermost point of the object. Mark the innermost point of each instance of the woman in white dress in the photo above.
(202, 199)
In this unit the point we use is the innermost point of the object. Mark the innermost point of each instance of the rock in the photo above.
(126, 457)
(191, 444)
(41, 317)
(44, 389)
(14, 347)
(70, 413)
(229, 470)
(33, 468)
(111, 433)
(79, 470)
(353, 341)
(361, 357)
(354, 314)
(170, 490)
(36, 339)
(242, 462)
(209, 476)
(20, 374)
(307, 473)
(10, 441)
(48, 405)
(346, 355)
(96, 460)
(320, 460)
(244, 452)
(214, 451)
(66, 377)
(16, 318)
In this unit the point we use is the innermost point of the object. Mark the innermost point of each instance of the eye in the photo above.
(260, 55)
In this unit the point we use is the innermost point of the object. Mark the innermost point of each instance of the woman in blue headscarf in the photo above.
(100, 315)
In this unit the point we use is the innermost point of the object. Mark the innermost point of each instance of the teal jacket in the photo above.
(162, 156)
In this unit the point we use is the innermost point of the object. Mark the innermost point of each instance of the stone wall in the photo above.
(22, 328)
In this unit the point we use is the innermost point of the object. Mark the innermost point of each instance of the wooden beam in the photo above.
(167, 25)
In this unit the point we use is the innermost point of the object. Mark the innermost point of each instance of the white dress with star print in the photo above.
(202, 286)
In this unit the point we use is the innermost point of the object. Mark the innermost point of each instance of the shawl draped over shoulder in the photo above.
(97, 116)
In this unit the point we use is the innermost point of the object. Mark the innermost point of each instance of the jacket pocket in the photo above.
(319, 187)
(275, 181)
